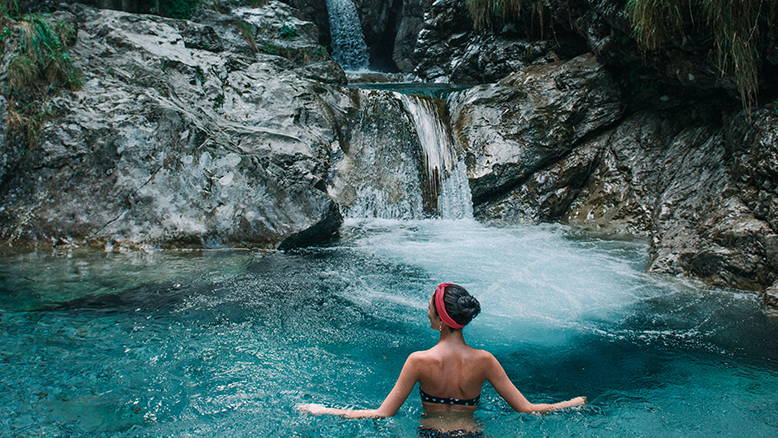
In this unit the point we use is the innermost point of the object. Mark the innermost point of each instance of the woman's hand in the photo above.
(578, 401)
(312, 408)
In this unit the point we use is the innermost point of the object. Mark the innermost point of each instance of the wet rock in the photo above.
(699, 187)
(202, 37)
(531, 119)
(547, 194)
(411, 22)
(174, 145)
(448, 49)
(771, 295)
(378, 18)
(378, 172)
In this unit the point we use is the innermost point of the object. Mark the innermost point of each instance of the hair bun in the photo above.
(460, 305)
(469, 305)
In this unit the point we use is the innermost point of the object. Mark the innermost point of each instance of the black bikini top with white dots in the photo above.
(448, 400)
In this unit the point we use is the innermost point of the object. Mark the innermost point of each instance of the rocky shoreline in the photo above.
(171, 143)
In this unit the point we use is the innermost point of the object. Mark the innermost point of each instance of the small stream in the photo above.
(226, 343)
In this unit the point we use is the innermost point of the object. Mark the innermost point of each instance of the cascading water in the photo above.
(348, 41)
(379, 175)
(446, 174)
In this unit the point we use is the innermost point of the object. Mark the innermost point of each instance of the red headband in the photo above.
(441, 308)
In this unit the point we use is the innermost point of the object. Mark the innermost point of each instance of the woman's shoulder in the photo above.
(482, 355)
(434, 354)
(422, 355)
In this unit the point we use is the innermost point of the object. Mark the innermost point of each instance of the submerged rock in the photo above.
(181, 136)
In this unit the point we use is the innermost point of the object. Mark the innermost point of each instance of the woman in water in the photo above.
(450, 375)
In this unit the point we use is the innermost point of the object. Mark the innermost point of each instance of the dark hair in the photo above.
(460, 305)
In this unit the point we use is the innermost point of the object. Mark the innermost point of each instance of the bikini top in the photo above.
(448, 400)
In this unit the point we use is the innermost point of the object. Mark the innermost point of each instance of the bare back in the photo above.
(452, 371)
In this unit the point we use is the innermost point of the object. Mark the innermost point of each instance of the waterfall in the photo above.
(348, 42)
(400, 162)
(446, 174)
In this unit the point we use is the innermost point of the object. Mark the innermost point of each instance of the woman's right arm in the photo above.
(402, 388)
(500, 381)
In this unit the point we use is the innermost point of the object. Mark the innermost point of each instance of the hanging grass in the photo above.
(44, 45)
(38, 68)
(22, 72)
(9, 8)
(493, 13)
(483, 11)
(247, 32)
(736, 27)
(654, 20)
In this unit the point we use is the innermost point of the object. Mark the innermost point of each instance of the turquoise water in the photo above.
(226, 343)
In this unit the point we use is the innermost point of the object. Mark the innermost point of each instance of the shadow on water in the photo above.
(302, 287)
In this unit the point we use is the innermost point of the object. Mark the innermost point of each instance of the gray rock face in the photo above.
(527, 121)
(377, 18)
(182, 135)
(378, 173)
(449, 49)
(411, 22)
(702, 188)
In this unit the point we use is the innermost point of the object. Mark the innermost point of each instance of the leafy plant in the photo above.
(39, 42)
(735, 27)
(39, 68)
(4, 35)
(182, 9)
(288, 30)
(9, 8)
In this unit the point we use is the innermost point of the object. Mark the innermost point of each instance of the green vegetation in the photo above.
(44, 46)
(490, 13)
(38, 67)
(182, 9)
(736, 27)
(288, 31)
(8, 8)
(484, 11)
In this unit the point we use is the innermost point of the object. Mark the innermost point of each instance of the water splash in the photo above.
(348, 42)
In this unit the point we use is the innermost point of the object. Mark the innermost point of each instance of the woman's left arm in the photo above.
(408, 377)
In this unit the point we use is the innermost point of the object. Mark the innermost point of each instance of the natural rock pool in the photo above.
(228, 342)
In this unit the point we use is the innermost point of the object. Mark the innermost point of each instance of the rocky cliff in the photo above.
(215, 133)
(551, 143)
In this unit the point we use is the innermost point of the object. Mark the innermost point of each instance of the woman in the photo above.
(450, 374)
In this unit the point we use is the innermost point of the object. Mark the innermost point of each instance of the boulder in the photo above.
(183, 135)
(529, 120)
